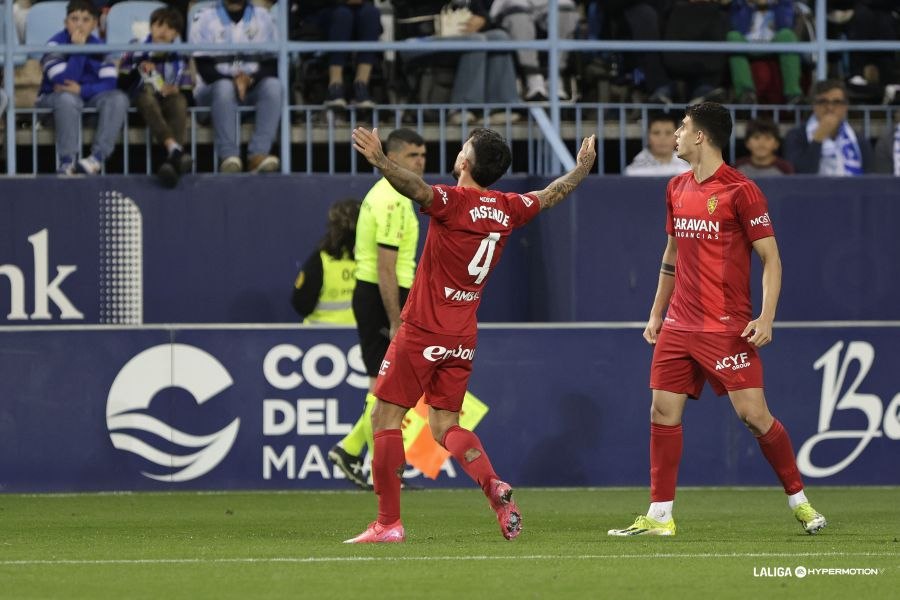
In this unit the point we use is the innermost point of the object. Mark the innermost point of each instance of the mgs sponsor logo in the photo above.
(384, 367)
(487, 199)
(443, 194)
(437, 353)
(132, 391)
(762, 220)
(738, 361)
(701, 229)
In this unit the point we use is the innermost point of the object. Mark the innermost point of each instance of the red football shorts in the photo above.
(683, 360)
(418, 361)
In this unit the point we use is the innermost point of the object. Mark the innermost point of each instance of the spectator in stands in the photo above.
(228, 79)
(762, 140)
(642, 20)
(863, 20)
(827, 144)
(699, 74)
(887, 151)
(342, 21)
(658, 158)
(764, 21)
(481, 77)
(524, 19)
(158, 82)
(73, 81)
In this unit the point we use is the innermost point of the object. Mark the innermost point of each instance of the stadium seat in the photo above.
(128, 21)
(19, 60)
(44, 20)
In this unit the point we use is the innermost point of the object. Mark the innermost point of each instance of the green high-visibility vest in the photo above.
(336, 298)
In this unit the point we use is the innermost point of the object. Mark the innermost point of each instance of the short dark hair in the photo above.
(660, 117)
(826, 85)
(82, 6)
(399, 137)
(713, 120)
(169, 16)
(492, 156)
(762, 126)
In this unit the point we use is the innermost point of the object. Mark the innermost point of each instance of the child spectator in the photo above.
(659, 157)
(156, 81)
(73, 81)
(762, 141)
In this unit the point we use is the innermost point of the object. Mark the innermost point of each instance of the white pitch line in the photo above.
(329, 559)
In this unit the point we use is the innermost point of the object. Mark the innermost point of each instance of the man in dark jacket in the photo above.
(827, 144)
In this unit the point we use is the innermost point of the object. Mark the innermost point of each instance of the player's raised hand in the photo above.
(588, 152)
(651, 332)
(758, 332)
(367, 143)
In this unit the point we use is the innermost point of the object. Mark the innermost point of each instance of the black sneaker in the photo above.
(168, 174)
(335, 97)
(352, 466)
(181, 161)
(361, 96)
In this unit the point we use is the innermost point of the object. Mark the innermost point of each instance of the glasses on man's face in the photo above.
(830, 102)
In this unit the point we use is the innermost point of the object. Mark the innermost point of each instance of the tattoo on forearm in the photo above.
(562, 187)
(404, 181)
(667, 269)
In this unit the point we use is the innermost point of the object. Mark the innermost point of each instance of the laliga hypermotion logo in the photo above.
(145, 375)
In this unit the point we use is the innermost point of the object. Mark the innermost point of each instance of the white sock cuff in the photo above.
(661, 511)
(795, 500)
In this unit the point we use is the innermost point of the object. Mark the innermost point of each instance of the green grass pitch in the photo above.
(287, 545)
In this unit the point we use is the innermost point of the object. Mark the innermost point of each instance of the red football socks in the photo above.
(466, 449)
(776, 447)
(665, 456)
(388, 460)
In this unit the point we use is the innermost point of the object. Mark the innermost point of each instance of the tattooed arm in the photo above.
(403, 180)
(562, 187)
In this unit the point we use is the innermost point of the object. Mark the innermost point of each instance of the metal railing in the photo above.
(552, 153)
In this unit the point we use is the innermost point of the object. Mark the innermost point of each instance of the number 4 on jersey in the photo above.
(481, 262)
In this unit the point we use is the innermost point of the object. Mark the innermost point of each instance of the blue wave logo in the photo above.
(145, 375)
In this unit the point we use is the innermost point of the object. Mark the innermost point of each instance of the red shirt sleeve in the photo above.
(521, 208)
(447, 202)
(753, 212)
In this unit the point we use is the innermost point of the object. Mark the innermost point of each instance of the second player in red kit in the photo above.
(715, 218)
(433, 350)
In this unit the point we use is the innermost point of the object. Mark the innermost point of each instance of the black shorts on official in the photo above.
(372, 323)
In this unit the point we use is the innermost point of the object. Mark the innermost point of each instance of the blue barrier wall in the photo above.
(226, 249)
(250, 408)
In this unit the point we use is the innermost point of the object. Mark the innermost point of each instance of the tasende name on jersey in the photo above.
(702, 229)
(489, 212)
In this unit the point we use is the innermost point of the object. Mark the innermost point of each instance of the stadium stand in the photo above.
(609, 79)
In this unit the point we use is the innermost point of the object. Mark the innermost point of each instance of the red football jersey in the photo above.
(466, 235)
(714, 224)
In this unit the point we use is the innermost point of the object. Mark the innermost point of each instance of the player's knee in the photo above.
(438, 432)
(755, 421)
(659, 414)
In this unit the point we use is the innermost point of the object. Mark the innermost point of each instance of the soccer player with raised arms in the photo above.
(433, 350)
(715, 216)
